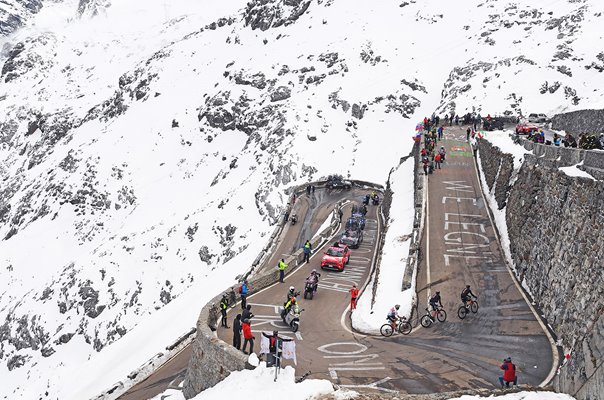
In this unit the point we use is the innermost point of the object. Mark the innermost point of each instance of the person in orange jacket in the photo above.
(354, 293)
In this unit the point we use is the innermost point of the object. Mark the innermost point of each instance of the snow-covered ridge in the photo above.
(146, 147)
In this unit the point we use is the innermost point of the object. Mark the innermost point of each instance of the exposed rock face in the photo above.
(555, 224)
(266, 14)
(582, 121)
(13, 14)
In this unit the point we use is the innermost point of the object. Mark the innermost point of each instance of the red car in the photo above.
(524, 128)
(336, 257)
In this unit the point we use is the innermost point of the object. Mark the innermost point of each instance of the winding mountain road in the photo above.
(460, 247)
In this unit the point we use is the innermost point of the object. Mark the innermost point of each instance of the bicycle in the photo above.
(471, 305)
(427, 320)
(402, 326)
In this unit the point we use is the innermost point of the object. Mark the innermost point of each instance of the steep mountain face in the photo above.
(147, 148)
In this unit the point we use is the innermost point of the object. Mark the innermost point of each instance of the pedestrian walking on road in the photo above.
(247, 313)
(248, 337)
(237, 332)
(282, 265)
(307, 251)
(224, 305)
(243, 290)
(509, 373)
(354, 293)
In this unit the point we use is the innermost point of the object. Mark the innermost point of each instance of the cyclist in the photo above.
(393, 316)
(465, 295)
(435, 302)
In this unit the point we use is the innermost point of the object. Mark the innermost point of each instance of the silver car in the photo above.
(537, 118)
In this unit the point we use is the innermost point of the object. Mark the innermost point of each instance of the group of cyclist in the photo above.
(435, 302)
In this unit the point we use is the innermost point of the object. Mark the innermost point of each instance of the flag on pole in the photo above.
(289, 351)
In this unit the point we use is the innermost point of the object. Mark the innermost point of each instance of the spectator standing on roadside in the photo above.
(224, 305)
(440, 133)
(425, 162)
(243, 290)
(275, 345)
(509, 373)
(282, 265)
(248, 337)
(340, 214)
(247, 313)
(237, 332)
(437, 160)
(307, 251)
(354, 294)
(468, 134)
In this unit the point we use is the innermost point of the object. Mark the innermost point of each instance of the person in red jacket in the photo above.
(247, 336)
(509, 373)
(354, 293)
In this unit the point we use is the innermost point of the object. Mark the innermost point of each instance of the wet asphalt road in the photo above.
(459, 247)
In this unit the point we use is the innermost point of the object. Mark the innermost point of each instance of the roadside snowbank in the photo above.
(573, 170)
(393, 264)
(259, 384)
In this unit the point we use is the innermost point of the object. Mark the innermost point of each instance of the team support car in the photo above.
(525, 128)
(355, 224)
(338, 182)
(537, 118)
(336, 257)
(352, 239)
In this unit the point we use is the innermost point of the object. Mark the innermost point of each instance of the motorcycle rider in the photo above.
(313, 278)
(465, 295)
(290, 303)
(393, 316)
(294, 218)
(435, 302)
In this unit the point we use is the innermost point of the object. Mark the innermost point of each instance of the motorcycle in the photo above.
(292, 318)
(294, 219)
(376, 200)
(310, 288)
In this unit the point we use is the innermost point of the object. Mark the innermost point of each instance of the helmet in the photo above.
(397, 306)
(508, 359)
(314, 270)
(291, 288)
(438, 292)
(468, 286)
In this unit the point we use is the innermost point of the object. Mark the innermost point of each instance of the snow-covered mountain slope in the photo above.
(146, 147)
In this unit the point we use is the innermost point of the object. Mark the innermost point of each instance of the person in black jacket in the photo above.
(247, 313)
(237, 332)
(224, 305)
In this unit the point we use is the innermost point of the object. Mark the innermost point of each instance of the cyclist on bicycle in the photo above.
(393, 316)
(465, 295)
(435, 302)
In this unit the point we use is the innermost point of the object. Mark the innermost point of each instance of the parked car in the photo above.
(338, 182)
(336, 257)
(537, 118)
(352, 239)
(525, 128)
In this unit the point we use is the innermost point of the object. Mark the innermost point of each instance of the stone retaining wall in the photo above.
(556, 224)
(212, 359)
(583, 121)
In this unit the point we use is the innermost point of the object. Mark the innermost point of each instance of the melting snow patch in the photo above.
(573, 170)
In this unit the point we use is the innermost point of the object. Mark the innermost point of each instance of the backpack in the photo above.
(240, 288)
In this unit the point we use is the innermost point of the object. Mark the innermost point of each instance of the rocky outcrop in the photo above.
(555, 224)
(582, 121)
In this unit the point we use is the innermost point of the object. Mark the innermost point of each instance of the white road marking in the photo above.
(373, 385)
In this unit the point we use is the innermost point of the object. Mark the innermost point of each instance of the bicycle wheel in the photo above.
(386, 330)
(404, 328)
(426, 321)
(441, 315)
(462, 311)
(474, 307)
